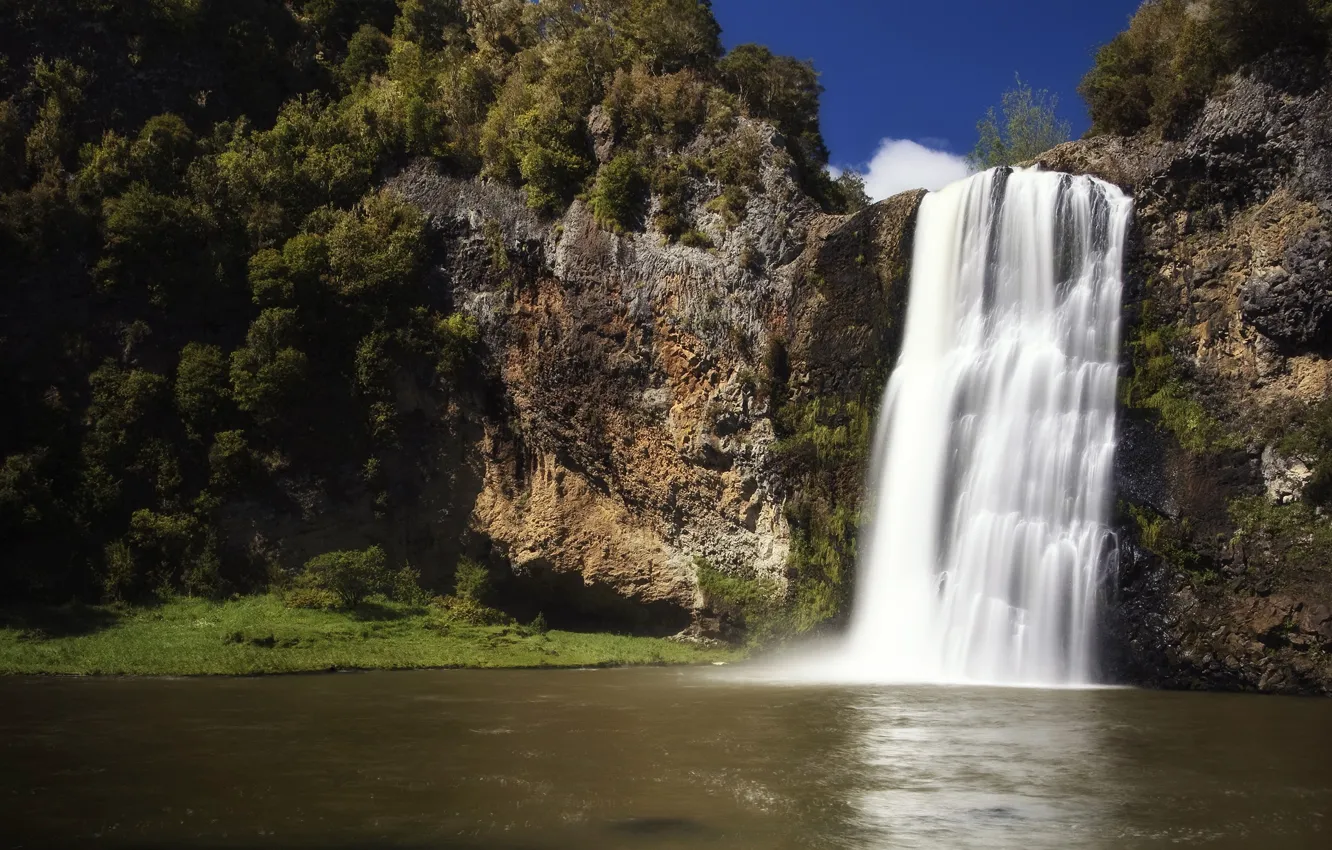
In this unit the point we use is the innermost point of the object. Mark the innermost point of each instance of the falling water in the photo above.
(992, 467)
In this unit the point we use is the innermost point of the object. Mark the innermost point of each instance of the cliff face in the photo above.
(642, 413)
(648, 409)
(1225, 570)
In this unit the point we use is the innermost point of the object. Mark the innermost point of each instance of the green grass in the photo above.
(191, 637)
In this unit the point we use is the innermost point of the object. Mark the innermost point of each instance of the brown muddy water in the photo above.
(651, 759)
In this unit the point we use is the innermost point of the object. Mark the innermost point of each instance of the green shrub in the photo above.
(302, 596)
(670, 34)
(739, 162)
(620, 193)
(1167, 538)
(351, 576)
(118, 572)
(670, 184)
(268, 374)
(203, 576)
(61, 86)
(1158, 384)
(404, 585)
(1292, 537)
(1030, 127)
(163, 151)
(454, 337)
(160, 551)
(471, 580)
(785, 91)
(377, 248)
(758, 603)
(466, 610)
(531, 136)
(695, 239)
(649, 110)
(158, 245)
(229, 461)
(850, 191)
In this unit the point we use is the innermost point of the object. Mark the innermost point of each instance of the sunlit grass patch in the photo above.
(259, 634)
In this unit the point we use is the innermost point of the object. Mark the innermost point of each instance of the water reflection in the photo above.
(977, 768)
(651, 759)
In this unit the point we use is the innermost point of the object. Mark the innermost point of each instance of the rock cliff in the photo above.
(654, 408)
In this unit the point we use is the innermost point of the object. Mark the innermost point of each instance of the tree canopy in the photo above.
(1156, 75)
(201, 270)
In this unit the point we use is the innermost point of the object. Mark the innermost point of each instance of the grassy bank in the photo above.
(258, 634)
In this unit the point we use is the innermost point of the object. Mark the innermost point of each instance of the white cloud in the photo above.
(900, 165)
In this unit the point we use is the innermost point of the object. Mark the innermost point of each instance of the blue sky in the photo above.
(926, 71)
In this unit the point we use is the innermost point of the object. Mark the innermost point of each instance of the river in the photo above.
(651, 758)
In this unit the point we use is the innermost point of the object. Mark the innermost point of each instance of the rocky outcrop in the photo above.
(635, 388)
(1225, 567)
(1292, 304)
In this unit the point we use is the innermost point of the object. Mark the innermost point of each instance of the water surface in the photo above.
(650, 758)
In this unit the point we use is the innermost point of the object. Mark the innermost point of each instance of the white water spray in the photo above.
(992, 473)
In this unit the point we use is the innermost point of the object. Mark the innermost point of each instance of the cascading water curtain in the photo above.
(992, 476)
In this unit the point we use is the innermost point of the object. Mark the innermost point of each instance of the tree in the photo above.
(352, 576)
(192, 184)
(201, 386)
(850, 187)
(367, 55)
(618, 197)
(1029, 128)
(782, 90)
(1157, 74)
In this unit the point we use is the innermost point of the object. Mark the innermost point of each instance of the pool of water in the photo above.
(650, 758)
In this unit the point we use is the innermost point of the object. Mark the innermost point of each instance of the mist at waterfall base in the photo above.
(986, 543)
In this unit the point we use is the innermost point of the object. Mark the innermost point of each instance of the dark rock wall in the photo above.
(1225, 557)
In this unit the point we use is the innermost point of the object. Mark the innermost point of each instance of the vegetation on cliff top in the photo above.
(1157, 74)
(1029, 126)
(201, 273)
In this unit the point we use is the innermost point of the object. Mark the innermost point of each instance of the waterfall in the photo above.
(991, 481)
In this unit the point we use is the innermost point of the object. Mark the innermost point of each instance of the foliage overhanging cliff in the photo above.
(234, 335)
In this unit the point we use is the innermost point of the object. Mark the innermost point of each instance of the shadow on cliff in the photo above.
(568, 603)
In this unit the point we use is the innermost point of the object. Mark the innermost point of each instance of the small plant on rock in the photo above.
(620, 194)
